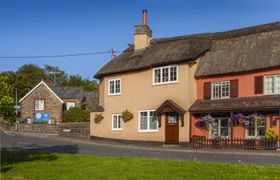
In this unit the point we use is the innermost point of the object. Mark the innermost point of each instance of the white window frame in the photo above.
(121, 122)
(39, 109)
(114, 80)
(274, 84)
(256, 132)
(220, 84)
(68, 107)
(219, 127)
(169, 74)
(148, 121)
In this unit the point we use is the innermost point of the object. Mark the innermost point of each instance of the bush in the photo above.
(75, 115)
(270, 134)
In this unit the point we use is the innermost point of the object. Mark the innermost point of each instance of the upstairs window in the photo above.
(114, 87)
(221, 90)
(39, 105)
(272, 84)
(165, 75)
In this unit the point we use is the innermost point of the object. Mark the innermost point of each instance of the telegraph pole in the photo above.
(54, 73)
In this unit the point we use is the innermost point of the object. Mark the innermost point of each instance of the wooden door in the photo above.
(171, 128)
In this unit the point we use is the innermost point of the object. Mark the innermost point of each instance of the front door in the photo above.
(171, 128)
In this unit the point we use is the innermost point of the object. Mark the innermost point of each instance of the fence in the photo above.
(236, 143)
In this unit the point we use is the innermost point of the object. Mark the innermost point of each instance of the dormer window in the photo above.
(114, 87)
(221, 90)
(165, 75)
(272, 84)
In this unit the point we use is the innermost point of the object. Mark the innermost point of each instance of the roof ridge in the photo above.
(223, 34)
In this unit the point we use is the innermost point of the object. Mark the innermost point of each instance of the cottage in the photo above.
(47, 103)
(238, 85)
(161, 84)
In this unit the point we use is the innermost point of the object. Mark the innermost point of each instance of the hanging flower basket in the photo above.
(240, 119)
(127, 115)
(200, 124)
(208, 120)
(98, 118)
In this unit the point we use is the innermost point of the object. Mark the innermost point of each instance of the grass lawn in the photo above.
(34, 165)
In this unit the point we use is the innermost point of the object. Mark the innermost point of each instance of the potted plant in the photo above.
(127, 115)
(271, 139)
(98, 118)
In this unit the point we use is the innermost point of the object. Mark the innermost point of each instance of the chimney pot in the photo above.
(144, 17)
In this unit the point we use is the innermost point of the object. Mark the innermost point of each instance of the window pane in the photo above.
(269, 85)
(143, 120)
(261, 131)
(112, 87)
(119, 121)
(153, 121)
(165, 74)
(115, 123)
(251, 128)
(277, 84)
(157, 76)
(118, 86)
(173, 73)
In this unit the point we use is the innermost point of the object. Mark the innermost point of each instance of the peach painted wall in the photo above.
(139, 93)
(245, 81)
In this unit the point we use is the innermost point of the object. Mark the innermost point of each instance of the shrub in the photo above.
(270, 134)
(75, 115)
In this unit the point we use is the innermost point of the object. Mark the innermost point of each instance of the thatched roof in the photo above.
(242, 53)
(224, 52)
(255, 103)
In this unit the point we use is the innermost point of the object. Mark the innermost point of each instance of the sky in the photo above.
(50, 27)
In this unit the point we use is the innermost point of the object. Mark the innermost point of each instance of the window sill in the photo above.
(147, 131)
(117, 129)
(114, 94)
(219, 98)
(164, 83)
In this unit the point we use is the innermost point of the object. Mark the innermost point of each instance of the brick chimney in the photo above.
(142, 33)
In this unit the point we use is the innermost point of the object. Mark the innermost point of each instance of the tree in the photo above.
(60, 76)
(86, 84)
(27, 77)
(7, 110)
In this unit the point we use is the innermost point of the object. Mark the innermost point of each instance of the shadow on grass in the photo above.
(12, 156)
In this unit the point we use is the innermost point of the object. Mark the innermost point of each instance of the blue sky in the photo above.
(48, 27)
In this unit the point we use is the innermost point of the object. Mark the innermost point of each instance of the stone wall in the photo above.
(51, 104)
(78, 129)
(39, 128)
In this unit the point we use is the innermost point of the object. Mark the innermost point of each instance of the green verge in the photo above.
(35, 165)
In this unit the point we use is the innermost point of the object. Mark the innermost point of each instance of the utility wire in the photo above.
(55, 56)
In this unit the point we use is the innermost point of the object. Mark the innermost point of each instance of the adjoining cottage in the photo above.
(238, 85)
(157, 82)
(47, 103)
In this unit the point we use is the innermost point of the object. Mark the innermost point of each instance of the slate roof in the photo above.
(255, 103)
(222, 52)
(64, 92)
